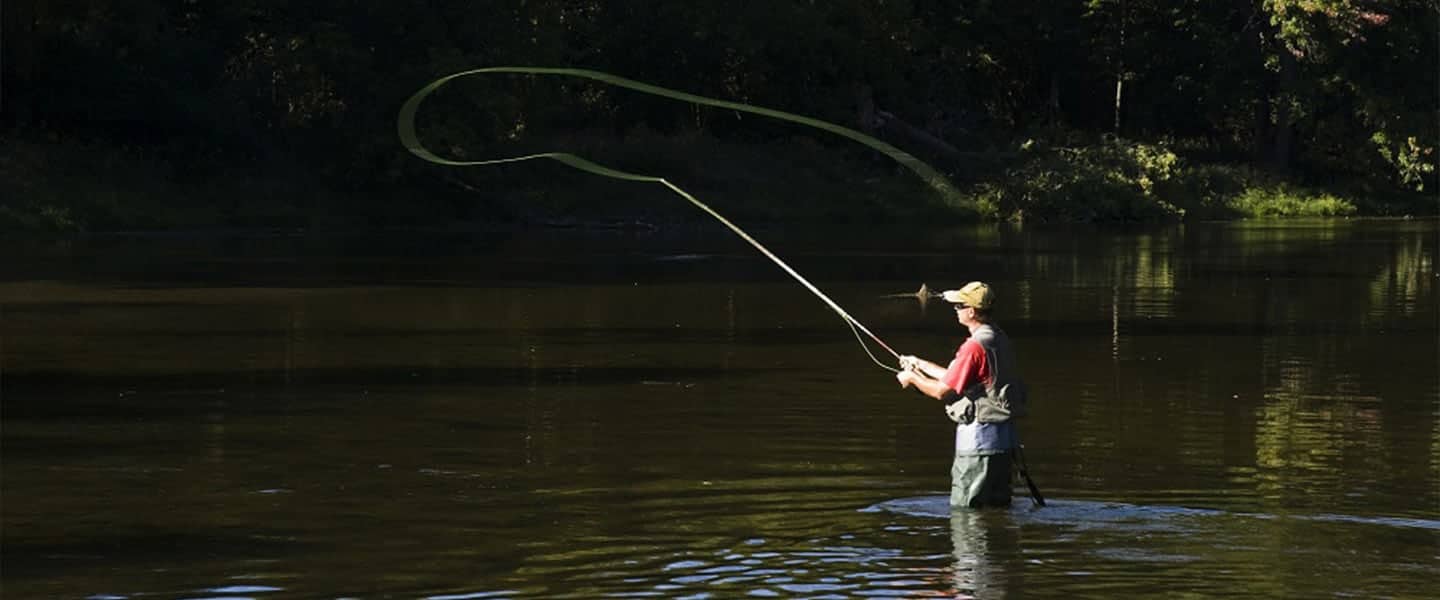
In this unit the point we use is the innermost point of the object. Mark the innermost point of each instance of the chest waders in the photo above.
(976, 479)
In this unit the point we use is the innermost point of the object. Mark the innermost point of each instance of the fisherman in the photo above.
(982, 392)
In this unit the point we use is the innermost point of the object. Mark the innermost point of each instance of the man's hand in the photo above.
(906, 378)
(909, 363)
(922, 381)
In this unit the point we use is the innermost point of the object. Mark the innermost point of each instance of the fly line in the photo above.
(405, 125)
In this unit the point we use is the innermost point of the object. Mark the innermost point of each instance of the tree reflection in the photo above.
(1405, 283)
(1337, 408)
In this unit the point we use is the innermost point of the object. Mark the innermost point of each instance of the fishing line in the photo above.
(866, 348)
(405, 125)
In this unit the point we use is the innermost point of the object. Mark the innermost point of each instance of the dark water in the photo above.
(1240, 410)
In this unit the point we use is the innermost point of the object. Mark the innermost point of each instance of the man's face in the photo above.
(963, 313)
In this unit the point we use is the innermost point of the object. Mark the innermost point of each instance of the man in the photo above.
(981, 390)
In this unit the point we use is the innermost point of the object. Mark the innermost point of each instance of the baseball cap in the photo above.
(975, 294)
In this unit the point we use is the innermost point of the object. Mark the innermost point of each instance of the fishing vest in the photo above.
(1005, 397)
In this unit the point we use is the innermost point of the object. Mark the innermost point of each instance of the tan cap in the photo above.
(975, 294)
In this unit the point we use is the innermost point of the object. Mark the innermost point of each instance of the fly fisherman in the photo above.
(981, 390)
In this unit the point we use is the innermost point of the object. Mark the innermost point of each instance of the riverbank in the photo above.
(70, 186)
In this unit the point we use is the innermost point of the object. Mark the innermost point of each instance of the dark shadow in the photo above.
(25, 558)
(32, 395)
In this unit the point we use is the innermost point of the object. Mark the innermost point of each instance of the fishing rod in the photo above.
(405, 125)
(854, 323)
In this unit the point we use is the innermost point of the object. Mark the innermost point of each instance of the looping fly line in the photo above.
(405, 125)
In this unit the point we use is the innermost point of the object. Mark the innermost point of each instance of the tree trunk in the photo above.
(1119, 93)
(1054, 103)
(1284, 128)
(895, 127)
(874, 120)
(1120, 70)
(1262, 133)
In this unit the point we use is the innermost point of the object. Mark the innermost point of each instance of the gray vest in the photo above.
(1007, 397)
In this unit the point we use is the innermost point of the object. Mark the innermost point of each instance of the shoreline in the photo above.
(126, 190)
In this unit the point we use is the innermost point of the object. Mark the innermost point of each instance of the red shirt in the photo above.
(969, 368)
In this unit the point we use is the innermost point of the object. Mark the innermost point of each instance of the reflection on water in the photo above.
(1244, 409)
(1080, 547)
(1400, 288)
(983, 546)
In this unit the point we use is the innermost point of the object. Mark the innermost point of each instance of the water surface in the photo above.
(1238, 410)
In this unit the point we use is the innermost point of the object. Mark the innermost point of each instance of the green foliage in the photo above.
(48, 189)
(1411, 160)
(1111, 180)
(1371, 72)
(1286, 202)
(70, 185)
(1107, 180)
(164, 103)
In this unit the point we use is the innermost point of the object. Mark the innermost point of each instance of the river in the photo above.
(1241, 409)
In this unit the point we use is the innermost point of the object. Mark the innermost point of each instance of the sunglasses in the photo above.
(959, 306)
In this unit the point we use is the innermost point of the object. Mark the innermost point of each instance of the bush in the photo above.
(1118, 180)
(1290, 202)
(1109, 181)
(67, 185)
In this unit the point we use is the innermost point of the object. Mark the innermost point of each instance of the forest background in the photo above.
(123, 115)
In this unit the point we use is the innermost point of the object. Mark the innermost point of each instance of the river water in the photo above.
(1219, 410)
